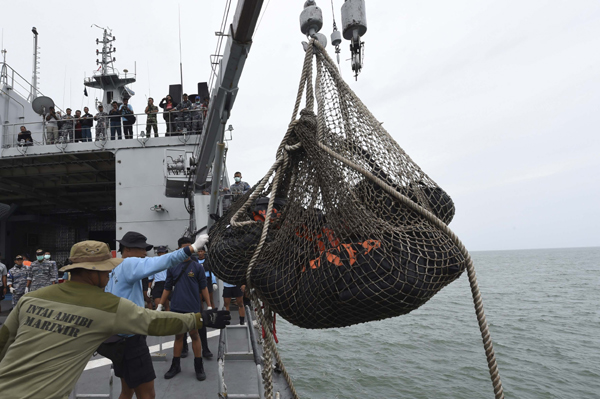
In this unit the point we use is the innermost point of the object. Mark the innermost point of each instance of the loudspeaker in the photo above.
(203, 90)
(175, 91)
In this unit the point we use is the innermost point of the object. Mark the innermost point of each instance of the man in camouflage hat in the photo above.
(50, 336)
(17, 280)
(43, 273)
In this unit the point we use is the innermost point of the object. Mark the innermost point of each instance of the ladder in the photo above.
(250, 357)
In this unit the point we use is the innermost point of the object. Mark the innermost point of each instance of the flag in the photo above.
(85, 91)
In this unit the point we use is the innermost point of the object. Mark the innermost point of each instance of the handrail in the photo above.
(180, 123)
(27, 87)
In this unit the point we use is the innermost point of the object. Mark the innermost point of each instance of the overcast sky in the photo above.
(497, 101)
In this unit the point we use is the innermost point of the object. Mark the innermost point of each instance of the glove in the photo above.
(12, 290)
(215, 318)
(149, 292)
(215, 287)
(160, 307)
(209, 308)
(26, 290)
(201, 241)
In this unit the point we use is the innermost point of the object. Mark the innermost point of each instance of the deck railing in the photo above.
(104, 128)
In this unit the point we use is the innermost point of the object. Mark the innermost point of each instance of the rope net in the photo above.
(339, 247)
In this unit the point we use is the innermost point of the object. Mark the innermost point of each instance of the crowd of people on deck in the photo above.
(117, 122)
(93, 322)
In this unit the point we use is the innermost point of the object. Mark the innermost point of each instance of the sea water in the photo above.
(543, 309)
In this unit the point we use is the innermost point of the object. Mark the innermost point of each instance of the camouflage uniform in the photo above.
(197, 118)
(184, 118)
(42, 274)
(17, 278)
(66, 130)
(54, 270)
(101, 126)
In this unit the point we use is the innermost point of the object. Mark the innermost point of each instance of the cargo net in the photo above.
(339, 248)
(344, 228)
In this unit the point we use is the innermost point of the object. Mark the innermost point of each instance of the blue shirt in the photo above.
(126, 279)
(160, 276)
(186, 295)
(128, 107)
(208, 274)
(228, 285)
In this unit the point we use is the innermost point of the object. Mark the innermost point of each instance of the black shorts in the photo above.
(136, 367)
(157, 291)
(232, 292)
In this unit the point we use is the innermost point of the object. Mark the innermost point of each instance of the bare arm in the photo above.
(164, 297)
(206, 297)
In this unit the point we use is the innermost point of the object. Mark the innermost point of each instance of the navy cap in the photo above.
(133, 239)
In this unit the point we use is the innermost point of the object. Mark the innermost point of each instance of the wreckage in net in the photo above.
(345, 217)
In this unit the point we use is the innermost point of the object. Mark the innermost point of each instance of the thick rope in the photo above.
(477, 300)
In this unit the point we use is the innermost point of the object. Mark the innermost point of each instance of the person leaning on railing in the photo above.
(24, 137)
(151, 111)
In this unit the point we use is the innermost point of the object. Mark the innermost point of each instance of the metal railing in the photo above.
(17, 83)
(104, 128)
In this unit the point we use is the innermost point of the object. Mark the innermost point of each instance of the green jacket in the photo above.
(50, 336)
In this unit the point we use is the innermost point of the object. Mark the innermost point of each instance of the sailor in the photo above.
(43, 273)
(183, 115)
(17, 280)
(67, 127)
(239, 187)
(51, 334)
(197, 116)
(135, 367)
(47, 257)
(151, 122)
(102, 123)
(190, 280)
(156, 282)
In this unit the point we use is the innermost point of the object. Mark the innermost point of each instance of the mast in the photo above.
(106, 77)
(34, 76)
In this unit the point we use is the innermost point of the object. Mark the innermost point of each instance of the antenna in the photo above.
(34, 77)
(180, 62)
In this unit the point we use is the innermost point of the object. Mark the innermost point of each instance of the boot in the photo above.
(174, 370)
(199, 368)
(206, 353)
(242, 322)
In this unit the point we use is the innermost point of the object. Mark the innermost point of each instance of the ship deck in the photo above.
(240, 376)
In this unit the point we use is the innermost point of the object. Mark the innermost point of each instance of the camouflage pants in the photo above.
(100, 133)
(184, 122)
(16, 297)
(197, 124)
